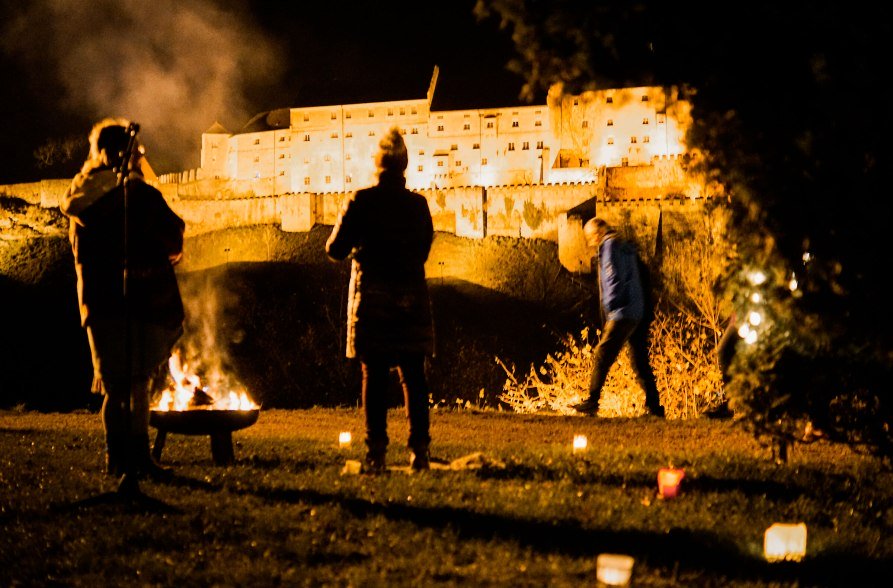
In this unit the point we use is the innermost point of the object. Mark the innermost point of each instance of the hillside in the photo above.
(267, 308)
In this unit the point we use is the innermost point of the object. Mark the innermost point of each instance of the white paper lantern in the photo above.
(785, 542)
(613, 569)
(344, 439)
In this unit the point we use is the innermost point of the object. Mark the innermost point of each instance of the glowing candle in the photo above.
(613, 569)
(785, 542)
(344, 439)
(580, 443)
(668, 480)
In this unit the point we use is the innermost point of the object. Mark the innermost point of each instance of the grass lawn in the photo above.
(536, 514)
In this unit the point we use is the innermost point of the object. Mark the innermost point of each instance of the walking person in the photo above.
(125, 241)
(626, 308)
(387, 230)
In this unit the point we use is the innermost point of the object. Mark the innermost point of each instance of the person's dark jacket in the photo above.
(620, 284)
(154, 235)
(389, 231)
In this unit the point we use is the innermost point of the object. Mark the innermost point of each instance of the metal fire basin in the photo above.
(218, 424)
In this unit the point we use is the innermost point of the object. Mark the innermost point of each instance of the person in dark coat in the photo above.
(627, 311)
(131, 334)
(388, 231)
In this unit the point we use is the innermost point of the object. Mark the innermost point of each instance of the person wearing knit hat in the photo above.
(387, 231)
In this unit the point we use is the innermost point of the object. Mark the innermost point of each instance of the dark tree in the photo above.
(788, 102)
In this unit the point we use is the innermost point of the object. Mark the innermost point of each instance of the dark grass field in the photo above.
(534, 514)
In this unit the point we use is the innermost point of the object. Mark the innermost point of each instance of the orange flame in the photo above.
(187, 386)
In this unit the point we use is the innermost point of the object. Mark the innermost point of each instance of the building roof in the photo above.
(270, 120)
(217, 129)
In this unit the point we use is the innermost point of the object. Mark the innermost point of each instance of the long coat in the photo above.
(95, 207)
(389, 232)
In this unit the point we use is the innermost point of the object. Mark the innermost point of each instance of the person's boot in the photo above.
(145, 465)
(588, 407)
(375, 462)
(420, 459)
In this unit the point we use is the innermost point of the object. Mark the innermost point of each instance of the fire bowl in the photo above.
(218, 424)
(202, 421)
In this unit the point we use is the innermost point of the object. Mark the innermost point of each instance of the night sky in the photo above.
(178, 66)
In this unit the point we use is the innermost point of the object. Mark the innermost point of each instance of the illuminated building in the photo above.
(571, 138)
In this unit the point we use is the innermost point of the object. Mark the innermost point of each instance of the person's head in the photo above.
(108, 140)
(595, 230)
(392, 156)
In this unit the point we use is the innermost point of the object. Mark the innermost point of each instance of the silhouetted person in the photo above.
(130, 336)
(388, 231)
(626, 308)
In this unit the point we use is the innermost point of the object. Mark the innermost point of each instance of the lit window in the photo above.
(371, 114)
(328, 179)
(585, 124)
(421, 168)
(609, 100)
(402, 111)
(511, 146)
(514, 124)
(645, 98)
(539, 144)
(466, 127)
(525, 145)
(346, 115)
(257, 141)
(327, 158)
(661, 118)
(347, 156)
(306, 180)
(306, 117)
(414, 131)
(483, 161)
(306, 137)
(282, 139)
(439, 127)
(421, 151)
(348, 135)
(610, 122)
(458, 163)
(610, 140)
(282, 173)
(645, 121)
(632, 140)
(646, 139)
(371, 133)
(282, 156)
(390, 112)
(624, 161)
(348, 179)
(490, 124)
(454, 147)
(413, 110)
(335, 134)
(334, 116)
(576, 101)
(475, 145)
(256, 159)
(538, 123)
(440, 163)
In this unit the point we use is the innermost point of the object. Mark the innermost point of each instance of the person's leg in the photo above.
(638, 343)
(611, 341)
(415, 394)
(375, 385)
(116, 427)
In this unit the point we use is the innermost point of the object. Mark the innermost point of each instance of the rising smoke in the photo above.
(174, 66)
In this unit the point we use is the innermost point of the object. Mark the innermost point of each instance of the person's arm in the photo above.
(344, 238)
(610, 280)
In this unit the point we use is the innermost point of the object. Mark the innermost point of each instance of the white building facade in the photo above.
(569, 139)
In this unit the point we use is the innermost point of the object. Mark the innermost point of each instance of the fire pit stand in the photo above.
(218, 424)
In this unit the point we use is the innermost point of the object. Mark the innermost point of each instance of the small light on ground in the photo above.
(785, 542)
(344, 439)
(580, 443)
(612, 569)
(668, 481)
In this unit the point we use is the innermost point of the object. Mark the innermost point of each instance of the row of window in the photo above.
(610, 100)
(348, 114)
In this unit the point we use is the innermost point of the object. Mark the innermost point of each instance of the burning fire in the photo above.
(189, 394)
